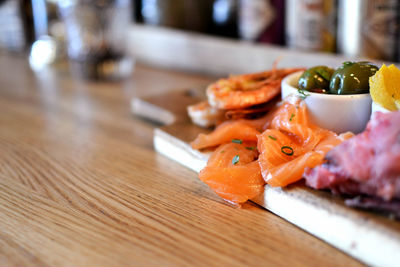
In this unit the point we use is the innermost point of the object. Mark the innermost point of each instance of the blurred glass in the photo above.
(97, 37)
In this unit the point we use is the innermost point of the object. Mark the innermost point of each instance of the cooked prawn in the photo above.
(247, 90)
(204, 115)
(252, 112)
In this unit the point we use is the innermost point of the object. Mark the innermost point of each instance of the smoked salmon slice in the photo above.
(243, 129)
(292, 145)
(233, 172)
(275, 149)
(225, 133)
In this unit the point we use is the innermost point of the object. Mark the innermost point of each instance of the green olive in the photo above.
(352, 78)
(316, 79)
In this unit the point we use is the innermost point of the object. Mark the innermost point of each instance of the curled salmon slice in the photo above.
(246, 152)
(225, 133)
(243, 129)
(234, 173)
(292, 145)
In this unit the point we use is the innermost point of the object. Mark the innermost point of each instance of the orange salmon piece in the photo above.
(283, 158)
(234, 173)
(243, 129)
(225, 133)
(293, 170)
(292, 145)
(223, 155)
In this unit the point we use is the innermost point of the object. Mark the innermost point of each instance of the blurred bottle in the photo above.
(311, 25)
(137, 11)
(169, 13)
(16, 25)
(225, 18)
(217, 17)
(262, 20)
(198, 15)
(369, 28)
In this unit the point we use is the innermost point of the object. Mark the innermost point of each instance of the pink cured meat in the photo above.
(366, 165)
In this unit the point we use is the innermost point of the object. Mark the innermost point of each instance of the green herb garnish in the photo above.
(303, 95)
(287, 150)
(273, 138)
(291, 117)
(237, 141)
(250, 147)
(235, 160)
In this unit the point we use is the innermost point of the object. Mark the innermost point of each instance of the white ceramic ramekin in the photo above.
(338, 113)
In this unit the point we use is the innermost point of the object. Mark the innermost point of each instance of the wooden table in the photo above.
(80, 184)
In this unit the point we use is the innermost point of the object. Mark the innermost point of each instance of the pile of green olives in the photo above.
(350, 78)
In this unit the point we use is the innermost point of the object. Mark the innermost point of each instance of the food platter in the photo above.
(369, 237)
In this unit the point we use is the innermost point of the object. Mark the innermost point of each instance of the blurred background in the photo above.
(364, 28)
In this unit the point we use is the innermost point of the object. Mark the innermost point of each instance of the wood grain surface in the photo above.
(81, 185)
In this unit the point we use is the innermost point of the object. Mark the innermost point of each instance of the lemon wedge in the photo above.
(385, 87)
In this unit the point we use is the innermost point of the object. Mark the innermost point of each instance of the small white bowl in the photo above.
(338, 113)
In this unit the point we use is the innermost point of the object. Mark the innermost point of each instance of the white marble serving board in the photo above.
(371, 238)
